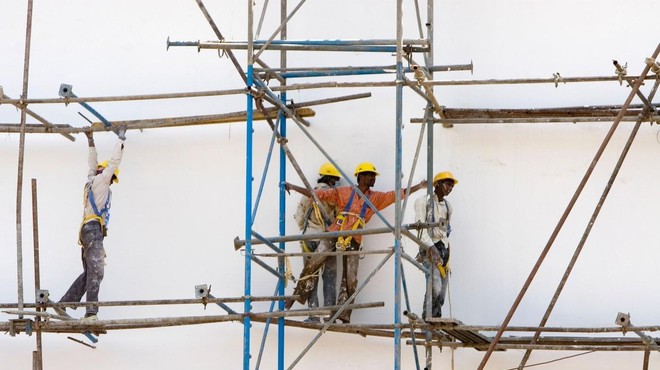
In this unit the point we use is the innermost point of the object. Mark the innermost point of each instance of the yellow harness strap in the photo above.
(317, 213)
(444, 270)
(345, 242)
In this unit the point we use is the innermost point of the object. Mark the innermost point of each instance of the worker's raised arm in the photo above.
(92, 156)
(296, 188)
(421, 185)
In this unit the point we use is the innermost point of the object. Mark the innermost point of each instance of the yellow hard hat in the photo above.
(366, 167)
(328, 169)
(104, 165)
(446, 175)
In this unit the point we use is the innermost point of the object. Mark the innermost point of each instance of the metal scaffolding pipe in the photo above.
(158, 122)
(38, 354)
(564, 216)
(238, 243)
(97, 99)
(592, 221)
(490, 121)
(340, 310)
(21, 159)
(281, 27)
(388, 68)
(501, 347)
(335, 46)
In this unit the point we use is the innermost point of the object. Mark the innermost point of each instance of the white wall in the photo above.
(180, 202)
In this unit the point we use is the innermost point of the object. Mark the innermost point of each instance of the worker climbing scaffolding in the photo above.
(434, 208)
(309, 218)
(96, 217)
(354, 215)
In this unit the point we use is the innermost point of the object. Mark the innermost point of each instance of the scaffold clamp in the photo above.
(42, 296)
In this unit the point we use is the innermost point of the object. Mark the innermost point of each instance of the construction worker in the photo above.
(94, 227)
(353, 214)
(311, 219)
(434, 208)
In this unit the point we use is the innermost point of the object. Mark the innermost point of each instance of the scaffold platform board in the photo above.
(451, 327)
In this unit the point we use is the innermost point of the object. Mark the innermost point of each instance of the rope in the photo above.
(555, 360)
(287, 271)
(451, 315)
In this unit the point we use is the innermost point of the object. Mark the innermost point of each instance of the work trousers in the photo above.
(329, 276)
(93, 261)
(438, 290)
(349, 279)
(306, 283)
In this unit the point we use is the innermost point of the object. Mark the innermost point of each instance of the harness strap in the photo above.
(103, 214)
(345, 242)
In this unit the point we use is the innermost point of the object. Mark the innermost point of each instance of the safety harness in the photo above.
(443, 265)
(317, 212)
(102, 216)
(345, 242)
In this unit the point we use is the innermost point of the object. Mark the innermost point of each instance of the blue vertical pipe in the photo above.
(249, 81)
(280, 321)
(283, 161)
(248, 225)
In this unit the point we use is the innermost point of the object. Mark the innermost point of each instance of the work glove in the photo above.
(443, 253)
(121, 132)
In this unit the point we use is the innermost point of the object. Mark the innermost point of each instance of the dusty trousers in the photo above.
(438, 290)
(93, 261)
(306, 283)
(329, 276)
(349, 279)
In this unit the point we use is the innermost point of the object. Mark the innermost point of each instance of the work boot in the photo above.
(89, 318)
(312, 320)
(288, 303)
(345, 319)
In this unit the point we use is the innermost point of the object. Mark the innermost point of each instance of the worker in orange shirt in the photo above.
(354, 214)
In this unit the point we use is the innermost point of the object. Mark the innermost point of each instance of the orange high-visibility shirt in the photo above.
(342, 195)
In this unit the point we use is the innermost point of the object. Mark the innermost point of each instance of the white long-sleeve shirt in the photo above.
(303, 215)
(101, 182)
(440, 211)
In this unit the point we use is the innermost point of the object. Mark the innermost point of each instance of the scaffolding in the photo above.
(257, 75)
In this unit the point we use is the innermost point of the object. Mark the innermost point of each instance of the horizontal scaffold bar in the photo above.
(155, 122)
(154, 302)
(351, 71)
(350, 47)
(611, 347)
(604, 113)
(458, 121)
(238, 243)
(335, 84)
(442, 68)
